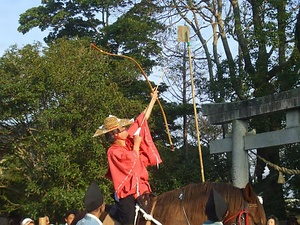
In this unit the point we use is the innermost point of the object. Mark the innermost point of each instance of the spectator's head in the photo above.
(272, 220)
(70, 215)
(27, 221)
(78, 217)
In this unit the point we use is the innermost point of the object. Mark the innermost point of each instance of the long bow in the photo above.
(149, 84)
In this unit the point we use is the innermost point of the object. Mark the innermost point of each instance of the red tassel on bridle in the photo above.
(239, 217)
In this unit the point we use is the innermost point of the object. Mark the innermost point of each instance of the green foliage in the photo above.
(178, 169)
(290, 160)
(52, 101)
(133, 34)
(64, 18)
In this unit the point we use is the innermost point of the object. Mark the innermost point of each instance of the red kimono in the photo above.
(128, 172)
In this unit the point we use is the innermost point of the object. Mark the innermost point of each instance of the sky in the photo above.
(10, 11)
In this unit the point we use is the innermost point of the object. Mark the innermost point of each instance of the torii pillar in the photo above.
(240, 161)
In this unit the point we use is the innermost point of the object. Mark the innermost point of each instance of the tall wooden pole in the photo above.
(183, 36)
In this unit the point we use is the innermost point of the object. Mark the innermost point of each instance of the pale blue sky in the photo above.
(10, 11)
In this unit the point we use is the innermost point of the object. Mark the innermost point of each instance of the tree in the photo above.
(119, 26)
(52, 100)
(69, 18)
(249, 48)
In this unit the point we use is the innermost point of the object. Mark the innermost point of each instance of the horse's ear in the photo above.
(248, 193)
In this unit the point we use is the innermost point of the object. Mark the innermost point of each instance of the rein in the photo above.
(147, 217)
(240, 217)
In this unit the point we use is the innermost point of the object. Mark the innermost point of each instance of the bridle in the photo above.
(242, 217)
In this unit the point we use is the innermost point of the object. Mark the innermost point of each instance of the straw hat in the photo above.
(112, 123)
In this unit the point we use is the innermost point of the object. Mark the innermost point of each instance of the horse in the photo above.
(186, 205)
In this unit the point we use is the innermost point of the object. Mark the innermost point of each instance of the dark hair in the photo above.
(78, 217)
(71, 211)
(276, 220)
(292, 221)
(110, 136)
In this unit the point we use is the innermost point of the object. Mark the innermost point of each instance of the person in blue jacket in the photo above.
(94, 205)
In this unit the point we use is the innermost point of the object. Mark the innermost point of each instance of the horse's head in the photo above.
(251, 212)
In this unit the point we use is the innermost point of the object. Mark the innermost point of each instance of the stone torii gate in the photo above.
(238, 113)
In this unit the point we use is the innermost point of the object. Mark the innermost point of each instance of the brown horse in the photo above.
(187, 205)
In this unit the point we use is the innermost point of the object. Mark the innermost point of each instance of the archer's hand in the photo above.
(148, 110)
(154, 94)
(137, 140)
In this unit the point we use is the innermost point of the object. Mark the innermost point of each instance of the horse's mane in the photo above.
(191, 200)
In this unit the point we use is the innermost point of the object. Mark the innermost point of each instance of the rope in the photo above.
(278, 168)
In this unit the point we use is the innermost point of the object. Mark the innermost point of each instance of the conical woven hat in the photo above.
(112, 123)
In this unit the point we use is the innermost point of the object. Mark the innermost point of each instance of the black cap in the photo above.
(216, 206)
(93, 198)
